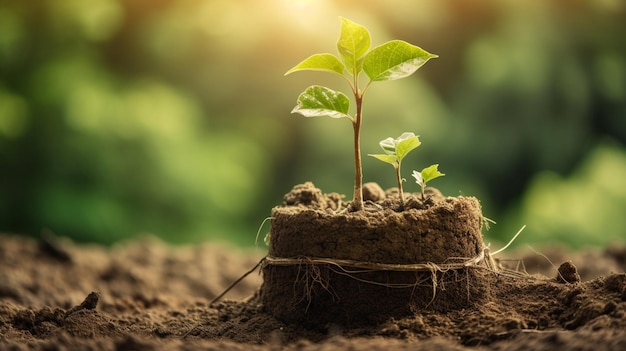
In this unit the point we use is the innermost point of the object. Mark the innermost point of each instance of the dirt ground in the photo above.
(147, 295)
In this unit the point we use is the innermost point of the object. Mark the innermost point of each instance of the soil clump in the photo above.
(327, 264)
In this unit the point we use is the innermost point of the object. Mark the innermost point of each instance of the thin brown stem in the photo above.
(357, 203)
(399, 178)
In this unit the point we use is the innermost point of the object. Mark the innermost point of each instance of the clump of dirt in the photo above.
(311, 224)
(328, 264)
(147, 295)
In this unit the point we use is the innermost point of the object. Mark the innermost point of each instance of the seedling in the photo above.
(426, 175)
(390, 61)
(395, 150)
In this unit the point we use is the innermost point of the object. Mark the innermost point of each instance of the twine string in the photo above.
(483, 260)
(364, 266)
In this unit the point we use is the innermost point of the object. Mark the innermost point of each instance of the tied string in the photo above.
(351, 268)
(374, 266)
(364, 266)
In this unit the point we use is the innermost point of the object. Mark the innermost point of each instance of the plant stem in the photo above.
(357, 202)
(399, 176)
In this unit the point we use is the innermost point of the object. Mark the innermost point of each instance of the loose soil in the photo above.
(147, 295)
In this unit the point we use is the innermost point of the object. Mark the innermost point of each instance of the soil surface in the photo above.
(147, 295)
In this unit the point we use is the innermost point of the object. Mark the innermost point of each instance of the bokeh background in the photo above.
(173, 117)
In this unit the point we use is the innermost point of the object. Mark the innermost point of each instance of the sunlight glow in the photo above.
(307, 14)
(301, 3)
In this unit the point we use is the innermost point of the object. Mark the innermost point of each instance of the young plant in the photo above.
(395, 150)
(426, 175)
(392, 60)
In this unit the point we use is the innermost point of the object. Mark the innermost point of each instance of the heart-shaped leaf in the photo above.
(431, 172)
(394, 60)
(353, 43)
(317, 101)
(320, 62)
(405, 143)
(396, 149)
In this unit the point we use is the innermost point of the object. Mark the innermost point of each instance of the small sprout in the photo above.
(395, 150)
(426, 175)
(395, 59)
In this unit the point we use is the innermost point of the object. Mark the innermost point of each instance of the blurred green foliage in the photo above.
(586, 208)
(172, 117)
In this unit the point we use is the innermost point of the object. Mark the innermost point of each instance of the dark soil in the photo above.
(146, 295)
(328, 264)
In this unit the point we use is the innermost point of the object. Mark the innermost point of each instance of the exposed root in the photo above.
(266, 239)
(311, 273)
(510, 241)
(233, 284)
(310, 276)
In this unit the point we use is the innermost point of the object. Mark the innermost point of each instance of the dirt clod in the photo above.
(373, 192)
(567, 273)
(333, 276)
(90, 303)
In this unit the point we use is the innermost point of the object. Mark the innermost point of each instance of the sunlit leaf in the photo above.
(431, 172)
(391, 159)
(320, 62)
(406, 143)
(396, 149)
(317, 101)
(401, 145)
(394, 60)
(353, 43)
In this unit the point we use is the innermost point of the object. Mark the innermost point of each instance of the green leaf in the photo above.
(394, 60)
(431, 172)
(317, 101)
(388, 145)
(353, 43)
(396, 149)
(405, 143)
(391, 159)
(320, 62)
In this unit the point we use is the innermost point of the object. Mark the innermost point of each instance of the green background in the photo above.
(168, 117)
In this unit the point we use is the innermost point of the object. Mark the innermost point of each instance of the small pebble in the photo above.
(373, 192)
